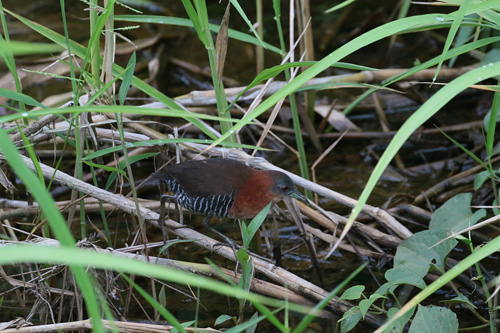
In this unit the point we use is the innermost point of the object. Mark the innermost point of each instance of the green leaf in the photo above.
(491, 56)
(162, 297)
(490, 133)
(350, 319)
(170, 243)
(20, 98)
(222, 319)
(253, 328)
(365, 304)
(384, 289)
(480, 179)
(24, 48)
(243, 255)
(465, 33)
(406, 275)
(195, 20)
(467, 151)
(106, 168)
(247, 269)
(495, 207)
(434, 319)
(486, 119)
(465, 240)
(460, 299)
(234, 34)
(417, 254)
(247, 325)
(247, 21)
(339, 6)
(479, 254)
(122, 165)
(457, 20)
(423, 245)
(127, 79)
(455, 214)
(354, 292)
(399, 324)
(254, 226)
(269, 73)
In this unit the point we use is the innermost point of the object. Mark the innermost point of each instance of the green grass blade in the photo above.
(234, 34)
(125, 109)
(56, 221)
(321, 305)
(465, 150)
(490, 135)
(339, 6)
(81, 52)
(453, 31)
(28, 100)
(247, 21)
(151, 143)
(194, 20)
(13, 254)
(271, 317)
(27, 48)
(429, 63)
(345, 50)
(7, 55)
(127, 79)
(433, 105)
(167, 315)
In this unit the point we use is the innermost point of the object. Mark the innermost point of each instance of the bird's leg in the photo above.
(276, 243)
(306, 236)
(164, 233)
(181, 213)
(228, 242)
(161, 221)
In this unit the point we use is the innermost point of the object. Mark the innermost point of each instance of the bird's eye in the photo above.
(284, 188)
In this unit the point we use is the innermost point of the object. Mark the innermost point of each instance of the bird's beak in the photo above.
(299, 196)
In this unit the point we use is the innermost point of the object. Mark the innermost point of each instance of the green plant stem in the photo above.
(304, 171)
(94, 47)
(260, 31)
(493, 311)
(9, 58)
(101, 208)
(490, 138)
(220, 94)
(109, 49)
(74, 82)
(79, 170)
(119, 119)
(471, 309)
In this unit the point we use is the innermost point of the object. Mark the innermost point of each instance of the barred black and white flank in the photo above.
(215, 205)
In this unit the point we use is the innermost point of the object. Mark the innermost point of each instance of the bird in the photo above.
(221, 187)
